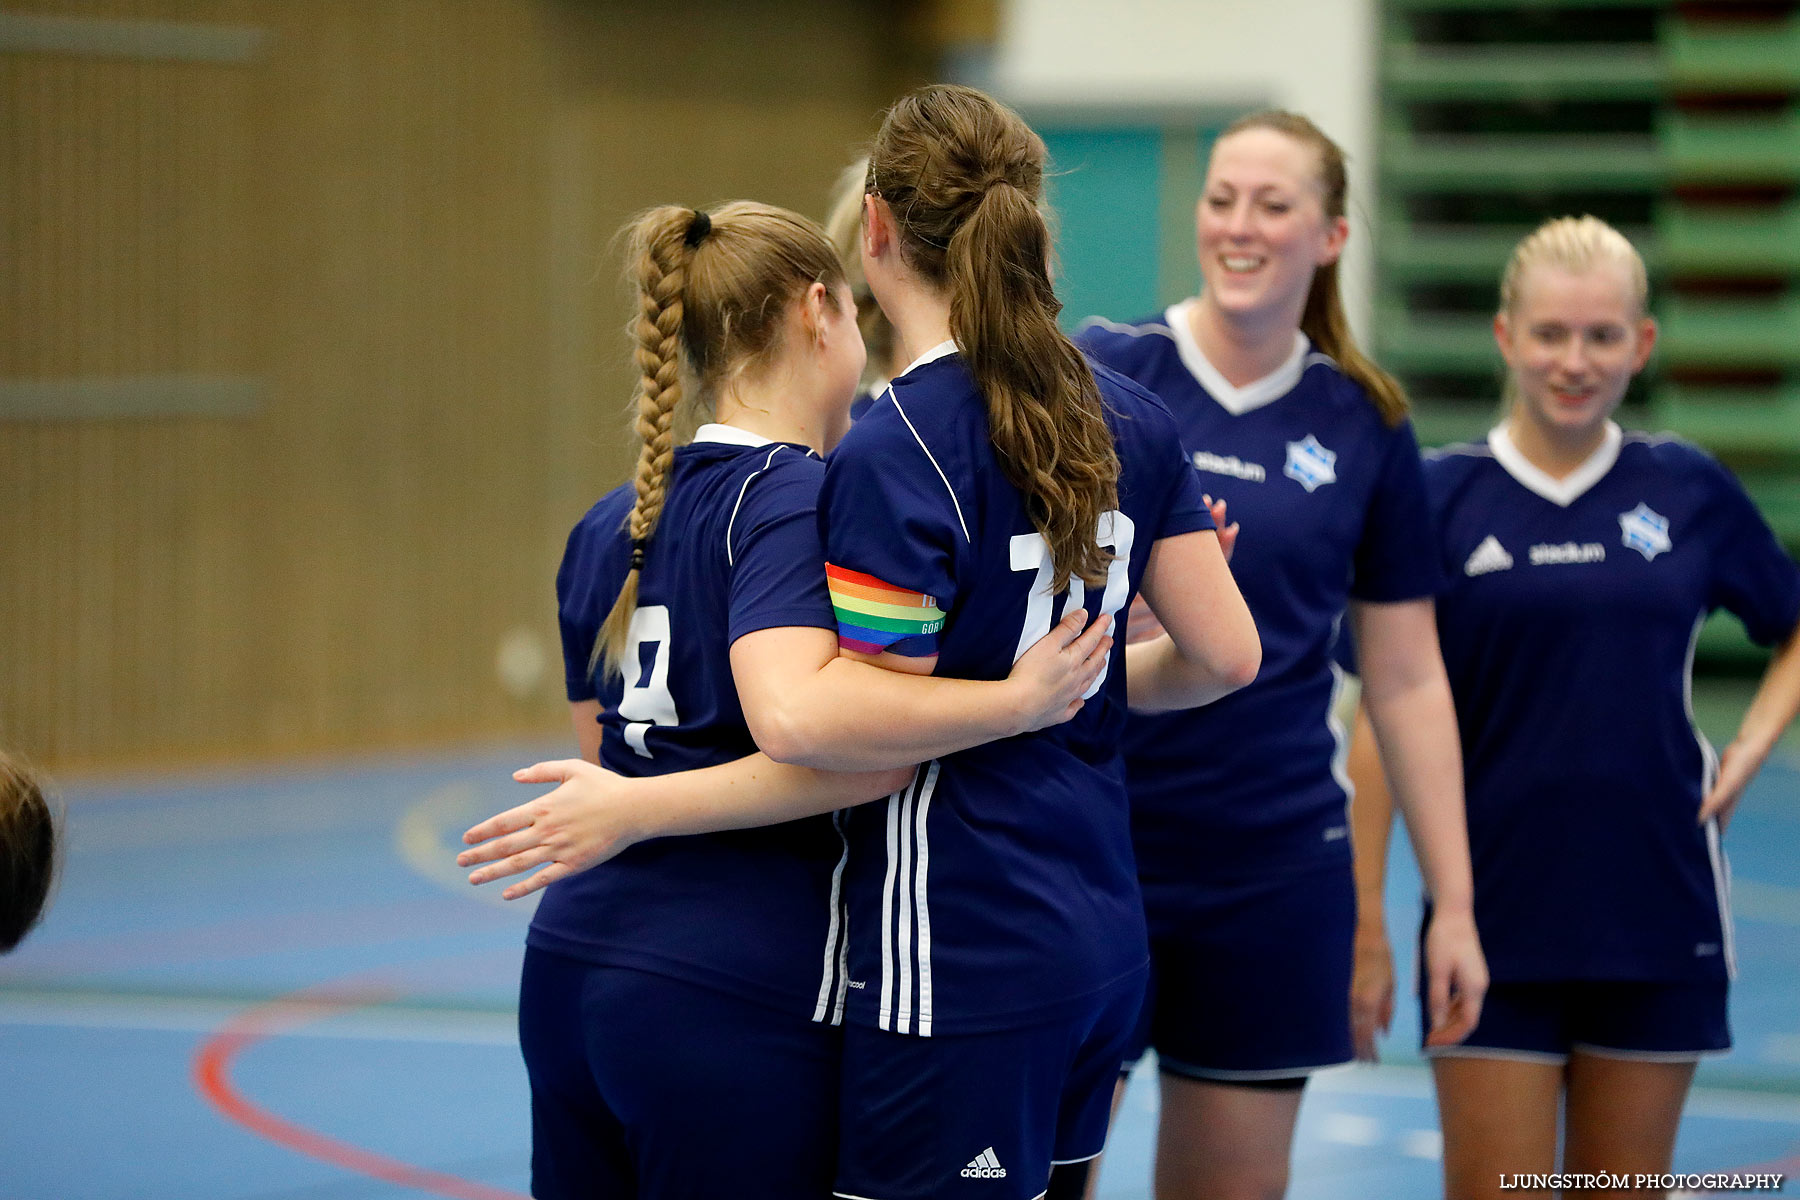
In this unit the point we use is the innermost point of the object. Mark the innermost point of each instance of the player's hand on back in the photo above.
(1052, 675)
(581, 823)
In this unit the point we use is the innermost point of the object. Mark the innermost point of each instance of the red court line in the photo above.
(212, 1078)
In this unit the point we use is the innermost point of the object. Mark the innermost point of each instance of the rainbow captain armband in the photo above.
(873, 615)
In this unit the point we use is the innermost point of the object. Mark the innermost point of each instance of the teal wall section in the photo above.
(1124, 194)
(1106, 188)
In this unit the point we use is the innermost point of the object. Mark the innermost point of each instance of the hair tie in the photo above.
(637, 552)
(698, 228)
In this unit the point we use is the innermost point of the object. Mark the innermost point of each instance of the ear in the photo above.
(1335, 237)
(1646, 342)
(877, 226)
(813, 302)
(1502, 334)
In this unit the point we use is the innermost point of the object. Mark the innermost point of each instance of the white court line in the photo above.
(1415, 1083)
(165, 1014)
(1422, 1143)
(1753, 900)
(1350, 1129)
(420, 840)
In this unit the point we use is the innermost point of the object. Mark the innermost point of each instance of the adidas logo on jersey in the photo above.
(1489, 556)
(984, 1166)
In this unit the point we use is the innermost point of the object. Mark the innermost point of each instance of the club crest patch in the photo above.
(1645, 530)
(1309, 464)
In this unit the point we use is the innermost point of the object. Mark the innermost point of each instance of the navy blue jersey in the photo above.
(736, 550)
(998, 889)
(1332, 505)
(865, 400)
(1568, 631)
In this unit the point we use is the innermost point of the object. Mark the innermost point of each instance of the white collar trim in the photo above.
(1235, 400)
(730, 435)
(941, 350)
(1571, 487)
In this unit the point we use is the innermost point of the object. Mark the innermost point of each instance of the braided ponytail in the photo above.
(713, 291)
(660, 253)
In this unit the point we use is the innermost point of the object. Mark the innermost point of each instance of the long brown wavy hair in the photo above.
(962, 174)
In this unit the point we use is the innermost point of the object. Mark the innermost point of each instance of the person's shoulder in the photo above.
(783, 473)
(1131, 408)
(1323, 382)
(1458, 455)
(596, 547)
(606, 516)
(1127, 345)
(1669, 452)
(880, 430)
(933, 411)
(1144, 331)
(1125, 393)
(1446, 467)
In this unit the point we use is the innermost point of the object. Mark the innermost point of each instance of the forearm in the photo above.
(1776, 703)
(1159, 678)
(1371, 824)
(748, 792)
(827, 723)
(1415, 726)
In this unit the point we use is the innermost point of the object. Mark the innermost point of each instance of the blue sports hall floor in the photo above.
(273, 983)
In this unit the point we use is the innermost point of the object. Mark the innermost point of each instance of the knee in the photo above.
(1265, 1184)
(1242, 1182)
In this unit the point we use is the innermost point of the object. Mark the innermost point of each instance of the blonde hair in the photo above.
(713, 291)
(28, 851)
(1577, 245)
(963, 175)
(1323, 320)
(843, 225)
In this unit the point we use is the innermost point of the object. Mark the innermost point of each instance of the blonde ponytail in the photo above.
(713, 291)
(661, 249)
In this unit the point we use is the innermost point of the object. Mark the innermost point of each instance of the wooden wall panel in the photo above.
(390, 225)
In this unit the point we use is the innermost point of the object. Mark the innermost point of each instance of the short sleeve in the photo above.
(1753, 577)
(892, 531)
(581, 606)
(777, 562)
(1397, 556)
(1186, 510)
(1145, 431)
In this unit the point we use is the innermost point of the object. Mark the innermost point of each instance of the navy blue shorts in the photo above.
(646, 1085)
(1545, 1021)
(980, 1115)
(1250, 978)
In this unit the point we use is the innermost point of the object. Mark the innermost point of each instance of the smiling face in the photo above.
(1572, 340)
(1262, 225)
